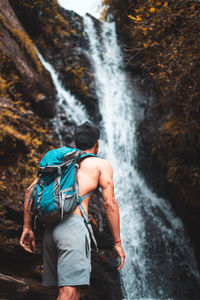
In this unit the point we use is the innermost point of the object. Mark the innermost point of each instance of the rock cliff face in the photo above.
(59, 36)
(28, 102)
(181, 193)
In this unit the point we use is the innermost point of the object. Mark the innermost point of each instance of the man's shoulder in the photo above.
(98, 162)
(103, 163)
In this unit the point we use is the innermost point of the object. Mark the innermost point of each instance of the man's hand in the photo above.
(119, 252)
(27, 240)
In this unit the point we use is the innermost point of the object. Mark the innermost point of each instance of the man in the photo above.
(67, 262)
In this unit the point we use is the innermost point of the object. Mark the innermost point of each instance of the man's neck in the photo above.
(92, 150)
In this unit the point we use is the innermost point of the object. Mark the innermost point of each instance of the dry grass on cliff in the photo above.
(24, 41)
(164, 43)
(24, 137)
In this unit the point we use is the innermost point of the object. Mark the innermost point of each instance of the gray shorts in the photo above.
(67, 253)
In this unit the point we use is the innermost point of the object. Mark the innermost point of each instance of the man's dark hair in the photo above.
(86, 135)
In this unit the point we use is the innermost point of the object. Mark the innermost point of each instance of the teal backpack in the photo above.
(56, 192)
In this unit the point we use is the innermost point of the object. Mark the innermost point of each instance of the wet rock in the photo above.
(17, 49)
(153, 160)
(12, 288)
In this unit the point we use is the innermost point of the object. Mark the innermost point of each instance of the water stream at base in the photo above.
(160, 263)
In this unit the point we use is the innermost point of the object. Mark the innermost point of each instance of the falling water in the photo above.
(160, 263)
(157, 251)
(68, 107)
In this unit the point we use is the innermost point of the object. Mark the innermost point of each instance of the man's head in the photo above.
(86, 136)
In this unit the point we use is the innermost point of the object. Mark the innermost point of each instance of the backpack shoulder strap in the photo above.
(85, 196)
(87, 223)
(85, 155)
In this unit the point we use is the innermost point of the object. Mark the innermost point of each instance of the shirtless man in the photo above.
(68, 269)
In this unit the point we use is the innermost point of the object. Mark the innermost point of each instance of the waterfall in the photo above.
(160, 263)
(148, 226)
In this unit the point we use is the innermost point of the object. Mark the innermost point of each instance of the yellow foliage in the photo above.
(77, 72)
(152, 9)
(104, 11)
(3, 86)
(131, 17)
(6, 130)
(29, 46)
(138, 18)
(169, 124)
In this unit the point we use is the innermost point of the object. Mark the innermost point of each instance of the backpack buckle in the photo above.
(59, 171)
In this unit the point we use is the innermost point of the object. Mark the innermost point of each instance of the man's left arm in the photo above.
(27, 240)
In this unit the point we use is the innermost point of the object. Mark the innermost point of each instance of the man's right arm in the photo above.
(27, 240)
(111, 208)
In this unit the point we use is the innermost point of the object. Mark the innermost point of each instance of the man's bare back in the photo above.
(93, 172)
